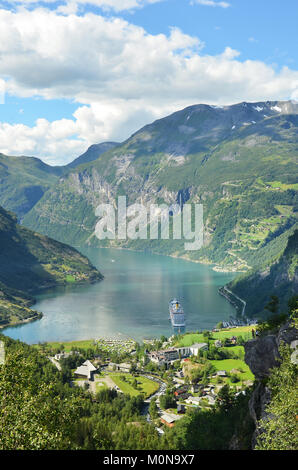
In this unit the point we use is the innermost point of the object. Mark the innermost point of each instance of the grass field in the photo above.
(283, 186)
(230, 364)
(100, 385)
(191, 338)
(238, 351)
(71, 345)
(146, 386)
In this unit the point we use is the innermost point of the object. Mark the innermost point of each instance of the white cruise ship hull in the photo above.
(177, 315)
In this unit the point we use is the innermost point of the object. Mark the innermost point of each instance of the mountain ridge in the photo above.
(239, 161)
(30, 262)
(92, 153)
(163, 162)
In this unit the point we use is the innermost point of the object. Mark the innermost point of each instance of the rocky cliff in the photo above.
(261, 355)
(277, 275)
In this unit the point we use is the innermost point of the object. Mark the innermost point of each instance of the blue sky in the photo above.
(77, 73)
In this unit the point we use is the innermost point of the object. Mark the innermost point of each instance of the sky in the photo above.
(75, 73)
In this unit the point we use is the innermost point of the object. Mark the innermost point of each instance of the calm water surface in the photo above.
(132, 301)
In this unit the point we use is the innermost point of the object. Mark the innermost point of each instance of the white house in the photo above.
(86, 370)
(193, 400)
(221, 373)
(195, 348)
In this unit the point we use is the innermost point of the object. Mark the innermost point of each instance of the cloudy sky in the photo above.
(74, 73)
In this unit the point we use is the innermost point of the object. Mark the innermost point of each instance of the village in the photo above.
(173, 375)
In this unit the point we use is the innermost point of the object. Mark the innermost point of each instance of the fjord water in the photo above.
(132, 300)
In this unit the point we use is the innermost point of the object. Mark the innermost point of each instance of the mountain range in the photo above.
(30, 262)
(239, 161)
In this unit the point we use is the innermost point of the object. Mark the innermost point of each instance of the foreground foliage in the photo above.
(279, 432)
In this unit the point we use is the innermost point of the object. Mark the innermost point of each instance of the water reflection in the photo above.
(132, 300)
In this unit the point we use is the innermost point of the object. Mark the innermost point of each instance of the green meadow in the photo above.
(144, 386)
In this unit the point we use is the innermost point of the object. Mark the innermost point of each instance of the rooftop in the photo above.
(198, 345)
(85, 369)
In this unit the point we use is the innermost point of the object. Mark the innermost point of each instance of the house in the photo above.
(181, 390)
(211, 399)
(194, 388)
(164, 356)
(193, 400)
(86, 370)
(183, 352)
(64, 355)
(195, 348)
(221, 373)
(157, 357)
(124, 367)
(218, 343)
(167, 356)
(180, 408)
(169, 419)
(181, 393)
(171, 354)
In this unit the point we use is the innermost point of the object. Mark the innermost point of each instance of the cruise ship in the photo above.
(177, 316)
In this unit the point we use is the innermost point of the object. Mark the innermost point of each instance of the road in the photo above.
(236, 296)
(160, 391)
(56, 363)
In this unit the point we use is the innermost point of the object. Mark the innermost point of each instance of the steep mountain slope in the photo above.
(279, 276)
(92, 153)
(23, 181)
(30, 262)
(238, 161)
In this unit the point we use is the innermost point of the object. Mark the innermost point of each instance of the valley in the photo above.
(238, 161)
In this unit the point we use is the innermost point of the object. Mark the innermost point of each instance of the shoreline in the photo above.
(215, 267)
(22, 322)
(224, 291)
(35, 292)
(93, 281)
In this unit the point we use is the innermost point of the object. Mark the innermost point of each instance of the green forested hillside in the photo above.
(275, 274)
(23, 181)
(39, 410)
(30, 262)
(239, 161)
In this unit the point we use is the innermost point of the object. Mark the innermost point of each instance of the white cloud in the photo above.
(52, 141)
(252, 39)
(2, 91)
(71, 6)
(211, 3)
(120, 76)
